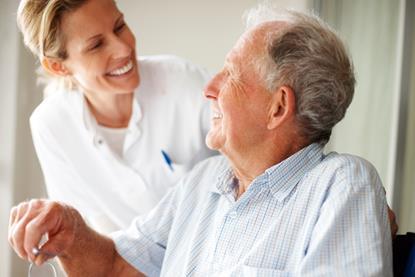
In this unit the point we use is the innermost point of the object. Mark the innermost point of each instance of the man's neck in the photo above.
(254, 164)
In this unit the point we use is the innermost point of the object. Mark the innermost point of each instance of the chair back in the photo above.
(404, 255)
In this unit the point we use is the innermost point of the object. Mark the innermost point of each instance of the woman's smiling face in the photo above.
(101, 49)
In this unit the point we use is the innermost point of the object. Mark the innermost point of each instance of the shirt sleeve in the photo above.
(144, 243)
(351, 221)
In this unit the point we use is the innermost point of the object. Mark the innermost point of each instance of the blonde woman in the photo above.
(120, 133)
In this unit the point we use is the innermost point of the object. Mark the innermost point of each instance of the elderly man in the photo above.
(275, 205)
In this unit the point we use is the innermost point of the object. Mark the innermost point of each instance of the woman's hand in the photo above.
(393, 223)
(29, 221)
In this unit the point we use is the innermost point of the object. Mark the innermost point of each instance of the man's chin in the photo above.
(213, 142)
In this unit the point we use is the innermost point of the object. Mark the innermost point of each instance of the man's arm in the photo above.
(81, 250)
(99, 253)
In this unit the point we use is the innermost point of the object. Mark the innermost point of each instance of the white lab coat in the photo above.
(169, 114)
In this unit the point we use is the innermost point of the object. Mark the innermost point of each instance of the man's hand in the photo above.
(29, 221)
(81, 250)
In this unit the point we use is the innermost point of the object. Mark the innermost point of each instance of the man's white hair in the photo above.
(264, 12)
(309, 57)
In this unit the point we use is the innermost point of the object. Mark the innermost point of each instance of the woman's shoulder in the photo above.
(57, 108)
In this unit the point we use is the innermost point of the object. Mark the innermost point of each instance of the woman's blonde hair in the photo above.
(40, 23)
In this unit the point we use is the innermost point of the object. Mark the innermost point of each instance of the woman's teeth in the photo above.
(122, 70)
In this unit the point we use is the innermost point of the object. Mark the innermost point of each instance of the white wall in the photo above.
(198, 30)
(8, 69)
(20, 176)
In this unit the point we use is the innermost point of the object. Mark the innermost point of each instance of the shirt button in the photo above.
(228, 190)
(98, 141)
(233, 215)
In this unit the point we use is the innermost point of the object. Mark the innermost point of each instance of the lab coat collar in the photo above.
(91, 125)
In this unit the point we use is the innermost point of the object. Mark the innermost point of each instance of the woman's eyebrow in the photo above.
(93, 37)
(120, 18)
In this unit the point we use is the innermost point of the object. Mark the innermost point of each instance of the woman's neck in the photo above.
(113, 111)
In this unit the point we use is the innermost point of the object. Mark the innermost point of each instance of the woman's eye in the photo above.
(95, 45)
(120, 28)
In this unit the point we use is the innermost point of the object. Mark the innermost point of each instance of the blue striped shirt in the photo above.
(310, 215)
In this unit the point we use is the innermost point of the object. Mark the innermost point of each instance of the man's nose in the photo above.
(212, 89)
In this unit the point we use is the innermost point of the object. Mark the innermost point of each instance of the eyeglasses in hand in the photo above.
(44, 270)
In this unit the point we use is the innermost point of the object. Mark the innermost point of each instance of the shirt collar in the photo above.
(281, 178)
(91, 124)
(226, 181)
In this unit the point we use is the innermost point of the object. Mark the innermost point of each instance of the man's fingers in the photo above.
(36, 228)
(21, 211)
(55, 220)
(23, 214)
(29, 221)
(17, 213)
(16, 231)
(52, 248)
(12, 217)
(41, 259)
(13, 214)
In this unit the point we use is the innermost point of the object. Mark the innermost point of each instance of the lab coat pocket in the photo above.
(175, 171)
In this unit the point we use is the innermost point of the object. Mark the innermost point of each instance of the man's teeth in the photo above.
(217, 115)
(123, 69)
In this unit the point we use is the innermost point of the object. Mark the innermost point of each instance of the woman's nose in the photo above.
(120, 48)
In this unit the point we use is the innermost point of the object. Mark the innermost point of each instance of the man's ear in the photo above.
(282, 107)
(54, 66)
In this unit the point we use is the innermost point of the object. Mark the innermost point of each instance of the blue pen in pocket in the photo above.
(167, 159)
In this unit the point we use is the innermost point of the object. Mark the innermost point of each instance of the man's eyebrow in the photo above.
(231, 69)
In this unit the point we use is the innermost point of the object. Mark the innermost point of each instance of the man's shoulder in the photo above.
(345, 170)
(348, 164)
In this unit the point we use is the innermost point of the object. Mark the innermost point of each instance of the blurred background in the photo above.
(379, 125)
